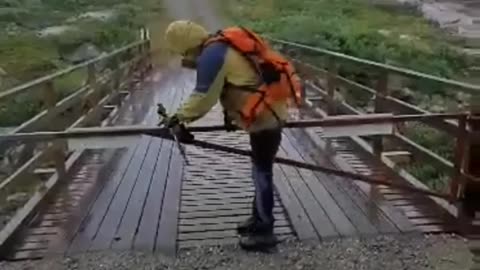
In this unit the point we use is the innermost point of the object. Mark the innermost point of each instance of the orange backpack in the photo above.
(279, 80)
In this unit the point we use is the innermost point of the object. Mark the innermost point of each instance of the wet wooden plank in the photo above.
(233, 202)
(343, 198)
(436, 228)
(31, 246)
(56, 217)
(203, 210)
(222, 213)
(147, 230)
(393, 216)
(131, 218)
(166, 236)
(49, 223)
(427, 221)
(296, 213)
(419, 214)
(43, 231)
(208, 242)
(211, 220)
(108, 227)
(27, 255)
(316, 214)
(400, 203)
(69, 228)
(209, 185)
(92, 220)
(187, 244)
(224, 234)
(227, 190)
(186, 200)
(219, 196)
(337, 216)
(220, 180)
(167, 228)
(220, 226)
(39, 238)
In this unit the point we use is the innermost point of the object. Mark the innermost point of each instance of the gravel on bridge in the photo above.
(386, 252)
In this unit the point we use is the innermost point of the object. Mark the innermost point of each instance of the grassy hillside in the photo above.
(36, 38)
(105, 23)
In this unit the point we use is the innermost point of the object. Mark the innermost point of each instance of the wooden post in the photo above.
(58, 157)
(91, 98)
(382, 91)
(471, 203)
(57, 154)
(95, 95)
(49, 95)
(117, 75)
(331, 85)
(458, 181)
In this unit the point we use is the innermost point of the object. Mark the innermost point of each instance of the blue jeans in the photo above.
(265, 146)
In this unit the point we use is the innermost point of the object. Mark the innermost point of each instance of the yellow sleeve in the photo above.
(198, 103)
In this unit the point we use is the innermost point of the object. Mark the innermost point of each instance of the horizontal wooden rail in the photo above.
(466, 87)
(394, 105)
(422, 152)
(332, 121)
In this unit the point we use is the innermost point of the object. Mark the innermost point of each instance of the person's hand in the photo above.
(182, 134)
(169, 121)
(229, 126)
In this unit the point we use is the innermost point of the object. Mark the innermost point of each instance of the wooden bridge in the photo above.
(143, 196)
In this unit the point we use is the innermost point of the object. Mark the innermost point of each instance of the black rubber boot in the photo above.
(246, 227)
(258, 242)
(253, 226)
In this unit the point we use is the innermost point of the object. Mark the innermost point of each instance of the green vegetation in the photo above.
(25, 54)
(356, 27)
(353, 27)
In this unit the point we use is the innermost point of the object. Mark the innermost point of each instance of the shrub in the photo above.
(27, 57)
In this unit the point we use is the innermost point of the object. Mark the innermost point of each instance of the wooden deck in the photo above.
(144, 198)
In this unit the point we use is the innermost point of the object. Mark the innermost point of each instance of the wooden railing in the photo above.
(325, 81)
(92, 104)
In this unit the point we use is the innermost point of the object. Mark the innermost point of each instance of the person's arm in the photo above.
(210, 83)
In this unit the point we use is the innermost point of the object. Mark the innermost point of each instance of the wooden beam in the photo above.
(381, 93)
(402, 107)
(424, 153)
(21, 173)
(357, 86)
(399, 157)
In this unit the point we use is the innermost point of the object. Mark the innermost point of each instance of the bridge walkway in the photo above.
(143, 197)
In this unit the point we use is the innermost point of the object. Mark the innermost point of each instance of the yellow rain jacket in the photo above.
(224, 74)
